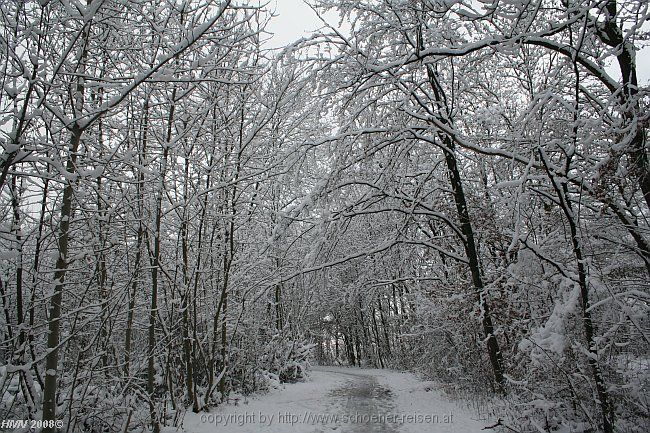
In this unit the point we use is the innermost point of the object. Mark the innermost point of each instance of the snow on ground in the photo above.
(412, 395)
(342, 400)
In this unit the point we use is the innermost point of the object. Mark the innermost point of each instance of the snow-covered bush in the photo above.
(286, 360)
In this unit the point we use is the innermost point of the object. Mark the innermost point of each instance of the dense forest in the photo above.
(455, 187)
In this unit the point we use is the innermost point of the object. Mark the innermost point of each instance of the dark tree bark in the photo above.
(601, 389)
(611, 34)
(469, 243)
(54, 319)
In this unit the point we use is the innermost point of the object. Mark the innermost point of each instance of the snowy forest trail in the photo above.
(191, 214)
(343, 399)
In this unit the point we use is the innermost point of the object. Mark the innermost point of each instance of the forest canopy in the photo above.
(457, 188)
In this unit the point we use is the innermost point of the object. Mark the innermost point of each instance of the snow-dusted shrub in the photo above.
(288, 359)
(551, 379)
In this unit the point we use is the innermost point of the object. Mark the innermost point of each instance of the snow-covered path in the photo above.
(343, 400)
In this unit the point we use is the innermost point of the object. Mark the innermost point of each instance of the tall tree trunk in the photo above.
(155, 267)
(26, 381)
(494, 351)
(142, 154)
(377, 339)
(16, 228)
(187, 339)
(278, 306)
(611, 34)
(196, 345)
(102, 274)
(592, 359)
(54, 319)
(469, 243)
(37, 255)
(228, 257)
(153, 310)
(384, 324)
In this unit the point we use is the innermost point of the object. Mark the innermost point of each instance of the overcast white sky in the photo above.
(295, 19)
